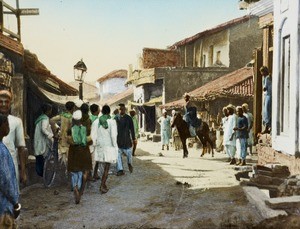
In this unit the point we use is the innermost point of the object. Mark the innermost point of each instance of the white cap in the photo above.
(186, 94)
(77, 115)
(78, 103)
(173, 112)
(164, 111)
(246, 106)
(238, 107)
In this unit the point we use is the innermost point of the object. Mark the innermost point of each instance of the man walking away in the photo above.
(79, 157)
(104, 135)
(65, 119)
(126, 137)
(95, 110)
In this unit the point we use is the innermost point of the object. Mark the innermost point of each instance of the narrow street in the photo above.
(164, 191)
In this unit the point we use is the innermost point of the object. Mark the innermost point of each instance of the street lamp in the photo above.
(79, 73)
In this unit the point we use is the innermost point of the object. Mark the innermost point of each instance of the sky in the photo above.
(111, 34)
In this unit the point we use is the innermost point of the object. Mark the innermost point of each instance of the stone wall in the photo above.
(16, 58)
(153, 58)
(267, 155)
(19, 96)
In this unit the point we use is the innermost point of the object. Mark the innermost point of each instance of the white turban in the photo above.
(173, 112)
(164, 111)
(78, 103)
(186, 95)
(245, 105)
(77, 115)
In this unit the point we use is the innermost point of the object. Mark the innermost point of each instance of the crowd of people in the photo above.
(86, 137)
(237, 131)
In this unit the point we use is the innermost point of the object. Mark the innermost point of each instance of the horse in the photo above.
(184, 133)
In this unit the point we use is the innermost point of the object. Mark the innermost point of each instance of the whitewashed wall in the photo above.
(286, 23)
(111, 86)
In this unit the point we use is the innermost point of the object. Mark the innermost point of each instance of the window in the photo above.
(211, 55)
(284, 82)
(203, 61)
(218, 61)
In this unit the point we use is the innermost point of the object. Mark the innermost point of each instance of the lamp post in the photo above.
(79, 74)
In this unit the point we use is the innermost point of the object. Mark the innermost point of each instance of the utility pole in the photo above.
(1, 16)
(18, 19)
(18, 13)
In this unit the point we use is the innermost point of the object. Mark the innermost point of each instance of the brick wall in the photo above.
(267, 155)
(153, 58)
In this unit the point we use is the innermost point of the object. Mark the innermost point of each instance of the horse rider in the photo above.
(190, 115)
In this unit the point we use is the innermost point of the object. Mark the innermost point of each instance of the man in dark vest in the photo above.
(126, 138)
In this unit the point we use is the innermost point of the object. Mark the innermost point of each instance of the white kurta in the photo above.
(228, 130)
(165, 124)
(15, 139)
(105, 141)
(43, 138)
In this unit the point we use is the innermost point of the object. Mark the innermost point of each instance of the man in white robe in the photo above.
(229, 134)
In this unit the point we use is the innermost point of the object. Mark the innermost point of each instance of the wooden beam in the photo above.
(1, 16)
(11, 44)
(9, 7)
(14, 35)
(257, 102)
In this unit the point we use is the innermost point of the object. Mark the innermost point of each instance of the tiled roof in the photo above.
(44, 78)
(121, 73)
(235, 84)
(118, 97)
(214, 30)
(231, 84)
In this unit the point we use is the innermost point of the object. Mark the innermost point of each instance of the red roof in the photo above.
(235, 84)
(121, 73)
(216, 29)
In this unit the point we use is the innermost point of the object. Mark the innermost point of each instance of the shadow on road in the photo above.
(148, 198)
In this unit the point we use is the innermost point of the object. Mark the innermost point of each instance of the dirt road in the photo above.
(153, 196)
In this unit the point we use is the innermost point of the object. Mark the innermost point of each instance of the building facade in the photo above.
(112, 84)
(190, 63)
(283, 146)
